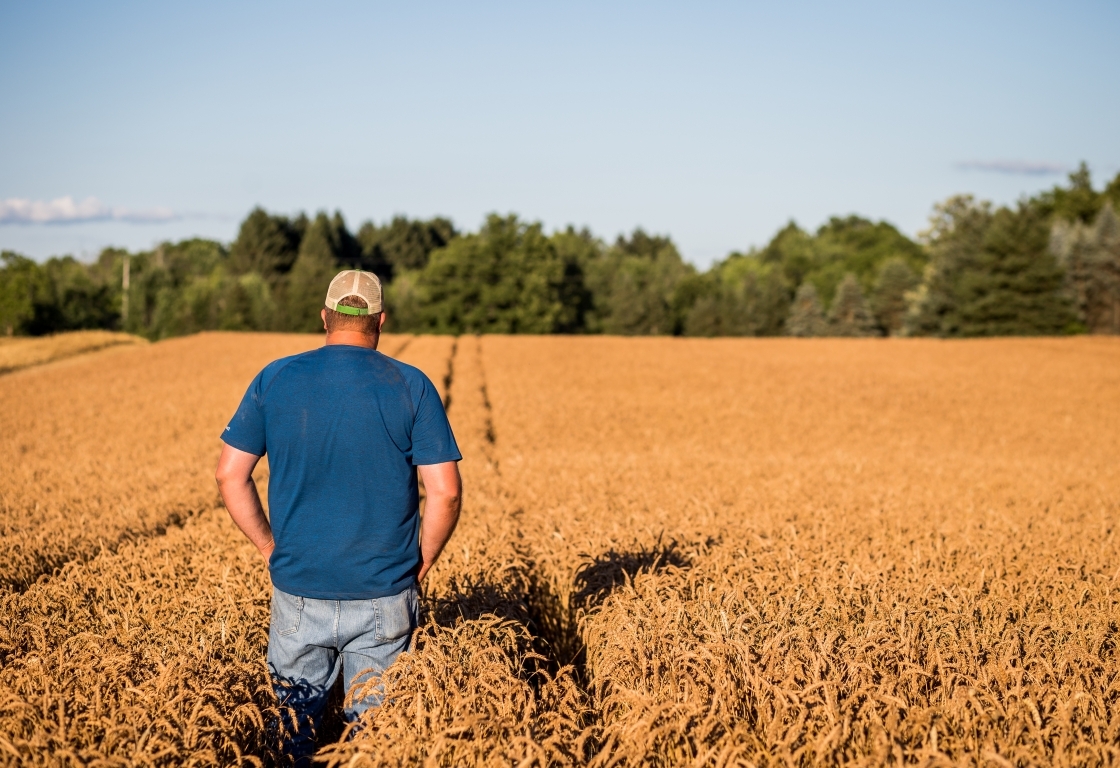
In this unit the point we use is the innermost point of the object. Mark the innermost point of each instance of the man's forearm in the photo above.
(239, 493)
(441, 515)
(244, 505)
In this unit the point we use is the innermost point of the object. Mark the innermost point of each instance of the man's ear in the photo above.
(381, 322)
(323, 314)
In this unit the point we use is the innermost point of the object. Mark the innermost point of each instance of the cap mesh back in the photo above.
(355, 282)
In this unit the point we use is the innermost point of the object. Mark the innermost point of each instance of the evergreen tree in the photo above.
(991, 274)
(849, 315)
(266, 244)
(806, 318)
(323, 249)
(1090, 257)
(1077, 202)
(1016, 288)
(954, 239)
(402, 244)
(1112, 193)
(888, 298)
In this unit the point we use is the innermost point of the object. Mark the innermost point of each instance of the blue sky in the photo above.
(715, 123)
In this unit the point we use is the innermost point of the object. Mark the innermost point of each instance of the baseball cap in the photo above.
(355, 282)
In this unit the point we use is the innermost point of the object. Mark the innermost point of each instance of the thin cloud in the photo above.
(65, 210)
(1013, 167)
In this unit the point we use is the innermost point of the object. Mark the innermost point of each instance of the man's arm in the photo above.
(444, 489)
(239, 492)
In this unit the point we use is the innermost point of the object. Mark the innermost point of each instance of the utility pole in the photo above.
(124, 291)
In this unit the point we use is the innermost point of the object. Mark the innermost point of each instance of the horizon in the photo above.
(715, 125)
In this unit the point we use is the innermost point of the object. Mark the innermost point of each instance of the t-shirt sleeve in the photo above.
(432, 439)
(245, 430)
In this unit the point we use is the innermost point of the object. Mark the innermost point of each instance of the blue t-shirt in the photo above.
(344, 428)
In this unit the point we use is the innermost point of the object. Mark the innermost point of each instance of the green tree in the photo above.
(741, 296)
(806, 317)
(634, 284)
(888, 296)
(991, 274)
(954, 239)
(1090, 257)
(325, 247)
(842, 246)
(1077, 202)
(849, 315)
(66, 298)
(175, 288)
(508, 278)
(576, 249)
(267, 244)
(859, 247)
(17, 279)
(402, 244)
(793, 251)
(1112, 193)
(1017, 289)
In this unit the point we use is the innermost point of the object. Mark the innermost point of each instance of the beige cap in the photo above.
(355, 282)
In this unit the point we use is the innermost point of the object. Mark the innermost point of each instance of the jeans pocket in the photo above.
(397, 615)
(286, 612)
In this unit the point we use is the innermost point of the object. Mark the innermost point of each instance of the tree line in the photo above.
(1048, 265)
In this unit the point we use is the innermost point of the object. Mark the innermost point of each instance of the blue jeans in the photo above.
(310, 641)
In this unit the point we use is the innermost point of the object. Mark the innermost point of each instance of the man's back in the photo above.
(344, 428)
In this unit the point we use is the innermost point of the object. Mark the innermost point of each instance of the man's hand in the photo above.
(444, 489)
(239, 492)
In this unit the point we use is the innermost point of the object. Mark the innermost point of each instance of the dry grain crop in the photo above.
(826, 551)
(479, 688)
(153, 653)
(23, 352)
(111, 446)
(672, 552)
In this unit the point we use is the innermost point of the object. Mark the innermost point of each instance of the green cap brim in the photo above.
(351, 310)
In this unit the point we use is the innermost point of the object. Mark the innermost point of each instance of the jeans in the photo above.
(311, 641)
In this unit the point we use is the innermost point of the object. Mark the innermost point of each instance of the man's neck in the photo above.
(353, 339)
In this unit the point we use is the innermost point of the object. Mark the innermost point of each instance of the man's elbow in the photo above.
(224, 475)
(451, 501)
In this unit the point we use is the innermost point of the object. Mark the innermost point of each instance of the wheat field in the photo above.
(672, 552)
(23, 352)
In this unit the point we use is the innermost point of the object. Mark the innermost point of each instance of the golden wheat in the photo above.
(724, 552)
(803, 552)
(106, 447)
(23, 352)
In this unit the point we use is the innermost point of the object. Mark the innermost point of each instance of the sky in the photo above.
(127, 124)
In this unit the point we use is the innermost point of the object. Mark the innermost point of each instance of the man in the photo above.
(345, 430)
